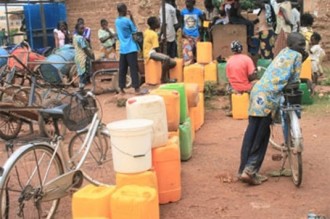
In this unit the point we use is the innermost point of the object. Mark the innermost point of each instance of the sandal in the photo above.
(250, 179)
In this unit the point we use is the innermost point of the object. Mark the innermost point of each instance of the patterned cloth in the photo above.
(267, 43)
(80, 43)
(188, 50)
(307, 32)
(266, 93)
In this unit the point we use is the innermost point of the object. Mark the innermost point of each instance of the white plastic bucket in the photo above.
(131, 145)
(150, 107)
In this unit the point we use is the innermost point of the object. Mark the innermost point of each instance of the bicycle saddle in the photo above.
(56, 112)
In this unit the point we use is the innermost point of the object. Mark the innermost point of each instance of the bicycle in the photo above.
(37, 175)
(286, 136)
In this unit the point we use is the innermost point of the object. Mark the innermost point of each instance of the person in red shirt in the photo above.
(240, 71)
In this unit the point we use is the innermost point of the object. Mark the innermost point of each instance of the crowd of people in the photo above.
(285, 36)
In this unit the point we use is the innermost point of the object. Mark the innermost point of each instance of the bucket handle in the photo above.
(131, 155)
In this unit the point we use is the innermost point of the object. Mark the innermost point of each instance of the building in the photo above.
(15, 16)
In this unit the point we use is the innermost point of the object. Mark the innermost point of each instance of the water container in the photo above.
(61, 56)
(135, 202)
(179, 87)
(192, 119)
(262, 66)
(185, 140)
(153, 72)
(210, 72)
(166, 162)
(25, 56)
(222, 76)
(150, 107)
(198, 113)
(131, 142)
(177, 71)
(3, 60)
(92, 202)
(204, 52)
(192, 94)
(172, 104)
(306, 98)
(174, 135)
(240, 105)
(194, 74)
(306, 69)
(147, 178)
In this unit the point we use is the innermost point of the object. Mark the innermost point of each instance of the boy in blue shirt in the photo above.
(192, 18)
(128, 50)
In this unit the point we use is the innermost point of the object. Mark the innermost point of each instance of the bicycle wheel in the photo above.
(46, 127)
(295, 156)
(26, 171)
(10, 126)
(98, 166)
(276, 138)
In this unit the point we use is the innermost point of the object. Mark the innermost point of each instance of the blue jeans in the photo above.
(255, 144)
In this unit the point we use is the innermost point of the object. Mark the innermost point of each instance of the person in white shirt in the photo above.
(61, 34)
(107, 37)
(171, 21)
(295, 18)
(317, 54)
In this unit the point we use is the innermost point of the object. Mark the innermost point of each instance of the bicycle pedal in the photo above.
(277, 157)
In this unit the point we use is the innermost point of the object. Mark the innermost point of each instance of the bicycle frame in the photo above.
(291, 114)
(63, 184)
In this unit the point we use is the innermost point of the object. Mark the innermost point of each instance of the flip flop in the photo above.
(246, 178)
(278, 173)
(142, 92)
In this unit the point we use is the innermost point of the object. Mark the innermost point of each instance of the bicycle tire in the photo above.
(10, 126)
(23, 95)
(47, 128)
(98, 163)
(25, 172)
(295, 157)
(276, 138)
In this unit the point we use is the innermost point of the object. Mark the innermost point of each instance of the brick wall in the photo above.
(321, 10)
(94, 10)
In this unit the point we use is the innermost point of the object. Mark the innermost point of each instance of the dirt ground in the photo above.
(209, 187)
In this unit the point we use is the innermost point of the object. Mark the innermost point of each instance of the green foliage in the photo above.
(247, 4)
(321, 104)
(210, 90)
(326, 82)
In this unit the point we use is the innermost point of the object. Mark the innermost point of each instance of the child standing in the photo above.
(317, 54)
(83, 55)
